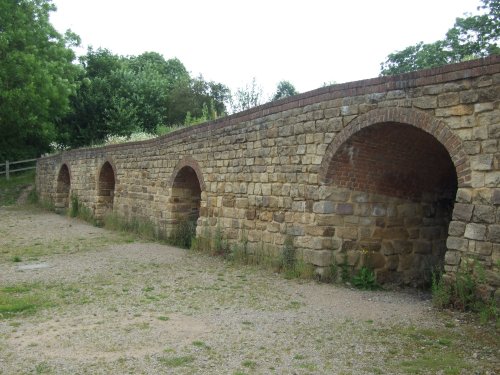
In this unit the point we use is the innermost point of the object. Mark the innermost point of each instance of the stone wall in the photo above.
(384, 165)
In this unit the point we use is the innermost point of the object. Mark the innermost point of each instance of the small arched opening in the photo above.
(63, 189)
(398, 186)
(105, 190)
(185, 201)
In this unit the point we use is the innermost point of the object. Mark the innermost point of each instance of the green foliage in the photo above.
(471, 37)
(81, 211)
(462, 292)
(284, 90)
(15, 300)
(36, 77)
(365, 279)
(176, 361)
(246, 97)
(122, 95)
(288, 257)
(11, 189)
(182, 234)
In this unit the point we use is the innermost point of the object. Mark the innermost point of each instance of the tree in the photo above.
(470, 37)
(284, 90)
(37, 77)
(248, 97)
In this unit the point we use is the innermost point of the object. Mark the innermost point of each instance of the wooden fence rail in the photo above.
(8, 170)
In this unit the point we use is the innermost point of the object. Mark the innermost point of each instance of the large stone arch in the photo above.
(394, 175)
(106, 182)
(63, 188)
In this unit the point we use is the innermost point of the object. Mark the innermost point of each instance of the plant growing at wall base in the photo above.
(182, 234)
(365, 279)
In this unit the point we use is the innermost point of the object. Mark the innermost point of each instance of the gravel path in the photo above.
(108, 304)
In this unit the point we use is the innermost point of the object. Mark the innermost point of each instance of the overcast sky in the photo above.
(306, 42)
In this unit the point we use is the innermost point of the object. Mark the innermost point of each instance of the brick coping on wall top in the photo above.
(447, 73)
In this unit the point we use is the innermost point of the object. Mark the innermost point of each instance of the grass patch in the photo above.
(11, 189)
(249, 364)
(176, 361)
(17, 299)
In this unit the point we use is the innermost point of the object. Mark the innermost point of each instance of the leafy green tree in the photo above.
(284, 90)
(37, 77)
(471, 37)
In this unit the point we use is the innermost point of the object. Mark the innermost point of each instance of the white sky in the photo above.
(306, 42)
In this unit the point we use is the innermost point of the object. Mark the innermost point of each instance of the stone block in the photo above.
(321, 258)
(494, 233)
(425, 102)
(448, 99)
(335, 220)
(482, 162)
(339, 196)
(484, 214)
(472, 147)
(457, 243)
(349, 233)
(379, 210)
(495, 199)
(484, 248)
(475, 231)
(462, 212)
(456, 228)
(344, 209)
(492, 179)
(452, 258)
(458, 110)
(323, 207)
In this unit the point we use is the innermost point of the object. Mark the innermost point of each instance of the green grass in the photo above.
(11, 189)
(16, 300)
(176, 361)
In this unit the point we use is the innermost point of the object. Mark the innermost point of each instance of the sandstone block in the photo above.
(350, 233)
(344, 209)
(323, 207)
(484, 214)
(452, 258)
(425, 102)
(482, 162)
(462, 212)
(321, 258)
(494, 233)
(448, 99)
(456, 228)
(457, 243)
(475, 231)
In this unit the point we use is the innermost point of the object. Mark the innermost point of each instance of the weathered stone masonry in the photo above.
(405, 168)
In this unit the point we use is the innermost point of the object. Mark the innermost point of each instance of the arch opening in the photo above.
(105, 190)
(63, 189)
(394, 188)
(184, 207)
(186, 196)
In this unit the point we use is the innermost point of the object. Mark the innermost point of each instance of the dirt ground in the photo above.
(91, 301)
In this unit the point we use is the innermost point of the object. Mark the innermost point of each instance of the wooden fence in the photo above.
(7, 167)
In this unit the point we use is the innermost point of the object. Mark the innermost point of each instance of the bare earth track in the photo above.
(105, 303)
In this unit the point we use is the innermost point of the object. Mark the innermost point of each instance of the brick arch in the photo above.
(421, 120)
(188, 161)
